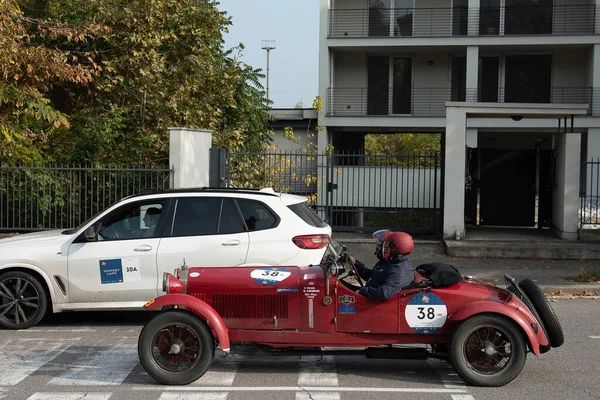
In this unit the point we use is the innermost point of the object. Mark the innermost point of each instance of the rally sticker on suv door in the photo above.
(120, 270)
(270, 276)
(426, 313)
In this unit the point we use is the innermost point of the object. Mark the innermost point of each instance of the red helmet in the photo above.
(397, 244)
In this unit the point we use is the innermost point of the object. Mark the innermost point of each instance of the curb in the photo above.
(571, 290)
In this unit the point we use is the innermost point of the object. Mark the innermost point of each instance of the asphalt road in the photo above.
(94, 356)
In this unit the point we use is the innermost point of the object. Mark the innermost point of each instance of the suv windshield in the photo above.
(307, 215)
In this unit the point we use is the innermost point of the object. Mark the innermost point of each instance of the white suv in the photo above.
(116, 260)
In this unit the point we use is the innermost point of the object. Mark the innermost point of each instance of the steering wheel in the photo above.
(355, 272)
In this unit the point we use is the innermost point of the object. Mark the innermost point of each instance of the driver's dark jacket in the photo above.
(386, 278)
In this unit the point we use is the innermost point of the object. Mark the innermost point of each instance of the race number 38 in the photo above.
(426, 313)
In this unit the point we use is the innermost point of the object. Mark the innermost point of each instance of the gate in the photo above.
(353, 192)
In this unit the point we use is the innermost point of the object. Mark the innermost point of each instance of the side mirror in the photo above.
(90, 233)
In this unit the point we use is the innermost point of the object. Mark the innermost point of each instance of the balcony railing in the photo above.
(462, 21)
(431, 102)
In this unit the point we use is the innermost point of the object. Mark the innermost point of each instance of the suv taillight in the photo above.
(311, 241)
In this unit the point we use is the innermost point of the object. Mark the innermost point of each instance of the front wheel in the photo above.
(23, 301)
(488, 350)
(176, 347)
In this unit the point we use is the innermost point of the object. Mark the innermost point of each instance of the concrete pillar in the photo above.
(472, 137)
(325, 60)
(189, 157)
(565, 199)
(472, 72)
(473, 19)
(454, 184)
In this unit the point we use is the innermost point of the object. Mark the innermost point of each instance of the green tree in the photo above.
(32, 64)
(163, 64)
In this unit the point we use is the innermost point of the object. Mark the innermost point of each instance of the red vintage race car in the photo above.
(483, 330)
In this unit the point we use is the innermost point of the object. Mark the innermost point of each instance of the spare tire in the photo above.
(548, 318)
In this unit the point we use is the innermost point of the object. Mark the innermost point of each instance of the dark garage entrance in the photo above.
(507, 182)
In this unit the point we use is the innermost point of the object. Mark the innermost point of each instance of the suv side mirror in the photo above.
(90, 233)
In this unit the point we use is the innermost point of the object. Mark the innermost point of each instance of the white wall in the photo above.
(385, 187)
(570, 68)
(350, 70)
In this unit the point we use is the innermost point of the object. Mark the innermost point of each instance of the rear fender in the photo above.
(197, 306)
(483, 307)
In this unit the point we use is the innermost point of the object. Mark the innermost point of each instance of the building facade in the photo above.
(513, 86)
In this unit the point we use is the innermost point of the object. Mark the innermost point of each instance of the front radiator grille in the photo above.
(251, 305)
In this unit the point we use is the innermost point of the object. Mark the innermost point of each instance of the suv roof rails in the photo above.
(146, 192)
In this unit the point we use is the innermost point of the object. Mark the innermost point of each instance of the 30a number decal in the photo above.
(131, 269)
(429, 314)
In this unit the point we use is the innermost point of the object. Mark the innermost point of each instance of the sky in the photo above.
(294, 26)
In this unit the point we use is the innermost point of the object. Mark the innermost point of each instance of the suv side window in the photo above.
(257, 215)
(198, 216)
(132, 221)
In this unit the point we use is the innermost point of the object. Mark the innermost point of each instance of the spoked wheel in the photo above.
(176, 347)
(488, 350)
(23, 301)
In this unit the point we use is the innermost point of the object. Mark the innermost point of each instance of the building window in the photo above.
(460, 16)
(459, 78)
(528, 78)
(489, 17)
(378, 76)
(527, 17)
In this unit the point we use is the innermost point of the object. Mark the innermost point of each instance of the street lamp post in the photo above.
(268, 45)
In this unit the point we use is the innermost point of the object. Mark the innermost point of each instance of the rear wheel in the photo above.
(176, 347)
(488, 350)
(23, 300)
(546, 314)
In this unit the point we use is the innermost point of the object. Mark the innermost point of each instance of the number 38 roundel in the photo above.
(426, 313)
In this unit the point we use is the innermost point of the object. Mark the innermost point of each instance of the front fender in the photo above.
(197, 306)
(26, 266)
(481, 307)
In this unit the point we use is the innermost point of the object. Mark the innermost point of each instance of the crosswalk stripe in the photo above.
(220, 374)
(192, 396)
(295, 389)
(106, 367)
(462, 397)
(19, 359)
(448, 376)
(322, 374)
(317, 396)
(70, 396)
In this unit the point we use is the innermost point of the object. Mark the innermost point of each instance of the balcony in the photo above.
(462, 21)
(431, 102)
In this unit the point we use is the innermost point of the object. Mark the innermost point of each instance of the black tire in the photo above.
(488, 350)
(195, 351)
(23, 300)
(547, 317)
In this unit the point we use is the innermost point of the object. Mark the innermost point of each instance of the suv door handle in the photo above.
(231, 243)
(144, 247)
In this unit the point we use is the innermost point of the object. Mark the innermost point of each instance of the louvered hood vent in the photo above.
(251, 305)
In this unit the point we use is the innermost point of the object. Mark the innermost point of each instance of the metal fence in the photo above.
(589, 208)
(60, 197)
(569, 19)
(431, 102)
(353, 192)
